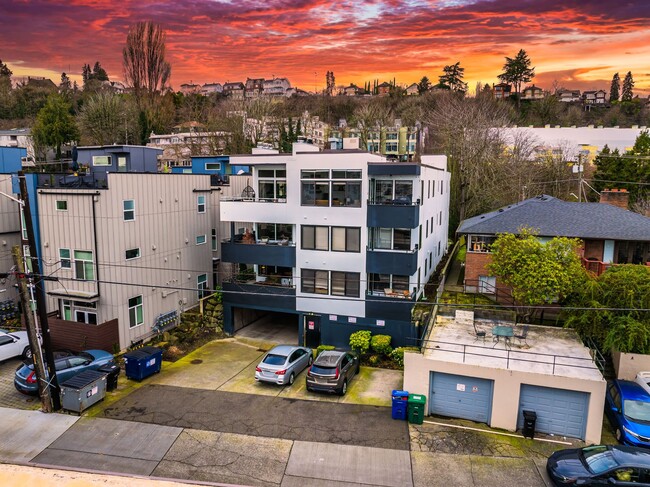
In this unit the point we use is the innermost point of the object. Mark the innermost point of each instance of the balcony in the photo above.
(243, 209)
(402, 262)
(595, 266)
(254, 293)
(394, 214)
(280, 253)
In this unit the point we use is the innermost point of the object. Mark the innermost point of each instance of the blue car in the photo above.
(66, 367)
(627, 405)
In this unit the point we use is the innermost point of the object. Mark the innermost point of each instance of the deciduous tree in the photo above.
(102, 119)
(537, 272)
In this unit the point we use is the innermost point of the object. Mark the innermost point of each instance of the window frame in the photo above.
(86, 270)
(347, 231)
(57, 204)
(315, 239)
(126, 253)
(347, 279)
(126, 211)
(63, 259)
(137, 306)
(200, 205)
(202, 237)
(312, 276)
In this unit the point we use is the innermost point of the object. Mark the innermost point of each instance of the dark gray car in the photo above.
(332, 371)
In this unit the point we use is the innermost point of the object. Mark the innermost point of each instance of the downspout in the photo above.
(95, 198)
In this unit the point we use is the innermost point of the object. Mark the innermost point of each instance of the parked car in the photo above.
(283, 364)
(66, 367)
(643, 379)
(14, 344)
(627, 405)
(600, 465)
(332, 371)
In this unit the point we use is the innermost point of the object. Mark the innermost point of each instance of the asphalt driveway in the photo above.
(255, 415)
(9, 396)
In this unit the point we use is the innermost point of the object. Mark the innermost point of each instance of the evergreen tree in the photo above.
(424, 85)
(5, 71)
(452, 78)
(99, 73)
(298, 129)
(615, 88)
(517, 70)
(85, 73)
(7, 98)
(628, 85)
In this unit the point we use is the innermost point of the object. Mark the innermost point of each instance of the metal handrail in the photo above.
(508, 358)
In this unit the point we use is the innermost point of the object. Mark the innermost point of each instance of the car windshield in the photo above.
(637, 410)
(273, 359)
(323, 370)
(599, 459)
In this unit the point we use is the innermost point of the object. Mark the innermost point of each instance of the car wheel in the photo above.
(311, 360)
(27, 353)
(618, 435)
(344, 388)
(292, 378)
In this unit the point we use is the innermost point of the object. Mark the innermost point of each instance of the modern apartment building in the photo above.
(132, 251)
(338, 241)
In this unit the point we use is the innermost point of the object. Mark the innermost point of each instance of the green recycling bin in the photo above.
(416, 404)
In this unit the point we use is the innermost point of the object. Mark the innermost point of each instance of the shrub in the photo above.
(360, 341)
(322, 348)
(373, 360)
(381, 344)
(398, 354)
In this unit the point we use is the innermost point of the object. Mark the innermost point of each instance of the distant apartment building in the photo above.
(234, 90)
(179, 147)
(595, 97)
(501, 91)
(568, 96)
(337, 241)
(532, 93)
(19, 138)
(190, 88)
(211, 88)
(277, 87)
(253, 88)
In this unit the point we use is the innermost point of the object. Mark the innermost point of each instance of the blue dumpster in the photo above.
(400, 404)
(142, 363)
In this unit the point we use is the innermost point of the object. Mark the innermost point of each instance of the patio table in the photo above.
(502, 331)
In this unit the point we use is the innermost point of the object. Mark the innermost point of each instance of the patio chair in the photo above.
(480, 335)
(522, 336)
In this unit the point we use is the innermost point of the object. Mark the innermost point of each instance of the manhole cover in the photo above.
(196, 361)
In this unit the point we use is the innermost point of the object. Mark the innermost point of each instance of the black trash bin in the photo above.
(112, 371)
(530, 418)
(142, 363)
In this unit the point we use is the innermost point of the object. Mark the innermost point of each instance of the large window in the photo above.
(275, 231)
(314, 282)
(345, 284)
(136, 314)
(129, 210)
(344, 189)
(393, 191)
(346, 239)
(101, 160)
(83, 265)
(391, 239)
(272, 183)
(384, 283)
(314, 237)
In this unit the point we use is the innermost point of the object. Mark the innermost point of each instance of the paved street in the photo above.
(9, 396)
(204, 419)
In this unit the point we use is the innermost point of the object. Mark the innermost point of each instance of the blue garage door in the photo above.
(559, 411)
(458, 396)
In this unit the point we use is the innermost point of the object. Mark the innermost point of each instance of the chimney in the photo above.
(615, 197)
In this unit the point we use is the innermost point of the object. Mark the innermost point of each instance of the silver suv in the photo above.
(332, 371)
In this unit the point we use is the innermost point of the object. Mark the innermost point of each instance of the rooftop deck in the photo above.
(547, 350)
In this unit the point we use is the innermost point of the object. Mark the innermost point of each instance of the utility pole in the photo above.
(39, 293)
(30, 324)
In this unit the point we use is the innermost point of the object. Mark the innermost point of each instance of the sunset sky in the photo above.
(579, 43)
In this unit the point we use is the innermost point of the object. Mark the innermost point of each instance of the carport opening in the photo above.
(269, 326)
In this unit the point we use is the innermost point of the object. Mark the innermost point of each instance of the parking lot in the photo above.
(9, 396)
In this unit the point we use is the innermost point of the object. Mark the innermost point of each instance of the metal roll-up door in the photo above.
(459, 396)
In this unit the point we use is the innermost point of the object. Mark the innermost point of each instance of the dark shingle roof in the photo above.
(552, 217)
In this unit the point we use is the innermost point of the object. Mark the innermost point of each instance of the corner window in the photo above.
(62, 205)
(136, 314)
(64, 258)
(200, 203)
(132, 254)
(129, 210)
(83, 265)
(200, 239)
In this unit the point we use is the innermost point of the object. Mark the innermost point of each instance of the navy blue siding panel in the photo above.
(280, 255)
(397, 169)
(338, 332)
(559, 411)
(387, 262)
(393, 216)
(459, 396)
(387, 308)
(274, 297)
